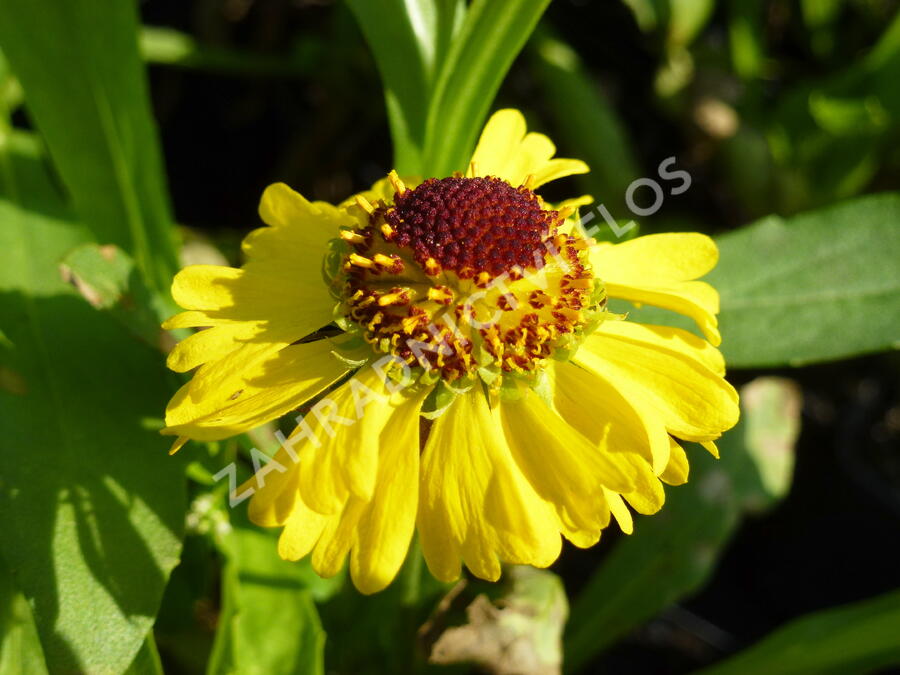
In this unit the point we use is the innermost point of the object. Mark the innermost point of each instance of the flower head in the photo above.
(463, 375)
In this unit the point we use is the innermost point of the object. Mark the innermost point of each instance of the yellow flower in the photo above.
(469, 381)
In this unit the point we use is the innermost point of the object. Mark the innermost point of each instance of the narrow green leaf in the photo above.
(409, 39)
(858, 638)
(92, 505)
(85, 89)
(672, 553)
(269, 624)
(490, 38)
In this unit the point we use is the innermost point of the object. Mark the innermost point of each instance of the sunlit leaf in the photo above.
(20, 648)
(401, 35)
(490, 37)
(92, 505)
(819, 286)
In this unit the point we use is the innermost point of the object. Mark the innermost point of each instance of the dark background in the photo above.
(309, 111)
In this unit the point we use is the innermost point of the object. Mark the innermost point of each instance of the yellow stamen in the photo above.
(577, 283)
(398, 298)
(352, 237)
(529, 181)
(387, 231)
(384, 260)
(375, 321)
(409, 323)
(361, 261)
(432, 267)
(440, 294)
(396, 183)
(473, 169)
(365, 204)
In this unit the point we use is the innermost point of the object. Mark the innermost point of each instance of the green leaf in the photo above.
(819, 286)
(20, 648)
(147, 661)
(858, 638)
(409, 39)
(269, 624)
(491, 36)
(108, 279)
(672, 553)
(92, 505)
(85, 89)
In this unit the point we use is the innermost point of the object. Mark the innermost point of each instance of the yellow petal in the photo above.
(193, 319)
(206, 287)
(475, 504)
(275, 495)
(506, 151)
(338, 536)
(206, 345)
(676, 472)
(301, 532)
(230, 401)
(296, 222)
(655, 258)
(279, 306)
(386, 527)
(341, 458)
(647, 497)
(557, 168)
(670, 339)
(695, 299)
(620, 512)
(593, 405)
(692, 401)
(711, 448)
(562, 466)
(273, 298)
(659, 270)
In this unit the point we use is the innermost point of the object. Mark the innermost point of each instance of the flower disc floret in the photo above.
(464, 277)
